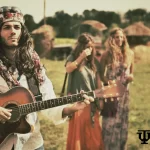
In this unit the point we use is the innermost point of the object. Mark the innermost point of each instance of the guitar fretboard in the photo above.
(41, 105)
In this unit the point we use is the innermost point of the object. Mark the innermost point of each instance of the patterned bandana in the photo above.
(9, 13)
(7, 73)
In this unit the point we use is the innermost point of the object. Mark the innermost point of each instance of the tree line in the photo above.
(67, 26)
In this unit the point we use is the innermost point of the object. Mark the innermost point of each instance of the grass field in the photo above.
(139, 116)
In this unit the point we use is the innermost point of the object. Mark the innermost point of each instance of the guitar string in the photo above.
(16, 108)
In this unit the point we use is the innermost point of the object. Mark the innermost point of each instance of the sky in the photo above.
(36, 7)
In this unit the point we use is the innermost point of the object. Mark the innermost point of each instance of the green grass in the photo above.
(139, 106)
(54, 136)
(139, 115)
(65, 41)
(56, 73)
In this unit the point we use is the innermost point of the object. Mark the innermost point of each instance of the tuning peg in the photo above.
(117, 94)
(118, 98)
(102, 84)
(101, 103)
(112, 99)
(113, 81)
(109, 83)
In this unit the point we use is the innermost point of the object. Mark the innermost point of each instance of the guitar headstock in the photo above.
(115, 89)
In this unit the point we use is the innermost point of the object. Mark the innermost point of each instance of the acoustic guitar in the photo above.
(22, 102)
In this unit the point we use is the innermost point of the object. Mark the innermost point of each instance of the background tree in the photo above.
(135, 15)
(68, 26)
(147, 19)
(108, 17)
(29, 22)
(75, 25)
(63, 21)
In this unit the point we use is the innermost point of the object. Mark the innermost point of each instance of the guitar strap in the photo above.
(64, 85)
(34, 88)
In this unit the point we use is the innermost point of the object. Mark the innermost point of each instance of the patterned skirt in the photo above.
(115, 129)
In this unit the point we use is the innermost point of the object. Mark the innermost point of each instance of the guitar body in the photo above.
(17, 123)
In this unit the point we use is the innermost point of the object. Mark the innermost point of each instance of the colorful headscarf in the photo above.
(10, 13)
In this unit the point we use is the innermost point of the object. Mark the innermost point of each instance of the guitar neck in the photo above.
(42, 105)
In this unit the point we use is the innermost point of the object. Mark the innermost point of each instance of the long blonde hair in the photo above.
(114, 50)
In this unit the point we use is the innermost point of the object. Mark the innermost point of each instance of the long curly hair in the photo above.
(27, 60)
(114, 50)
(85, 41)
(23, 59)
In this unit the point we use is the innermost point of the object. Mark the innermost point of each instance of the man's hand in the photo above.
(78, 105)
(86, 52)
(3, 89)
(5, 114)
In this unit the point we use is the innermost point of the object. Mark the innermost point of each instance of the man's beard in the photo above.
(4, 45)
(9, 47)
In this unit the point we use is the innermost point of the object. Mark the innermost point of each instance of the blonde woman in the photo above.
(116, 64)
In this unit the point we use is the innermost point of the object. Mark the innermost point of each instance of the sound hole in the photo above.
(15, 115)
